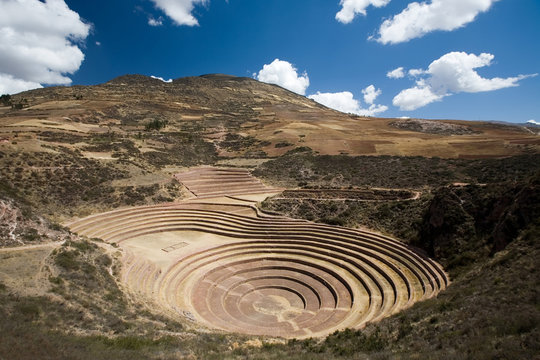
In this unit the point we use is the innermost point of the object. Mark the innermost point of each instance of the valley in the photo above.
(219, 217)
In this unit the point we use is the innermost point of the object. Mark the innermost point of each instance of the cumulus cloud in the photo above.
(10, 85)
(416, 97)
(155, 22)
(38, 43)
(350, 8)
(284, 74)
(341, 101)
(345, 102)
(370, 94)
(162, 79)
(416, 72)
(396, 73)
(180, 11)
(373, 110)
(452, 73)
(419, 19)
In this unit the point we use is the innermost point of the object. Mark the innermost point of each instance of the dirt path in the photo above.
(29, 247)
(319, 195)
(24, 269)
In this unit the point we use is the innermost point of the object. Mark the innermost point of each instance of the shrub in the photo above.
(57, 280)
(333, 221)
(31, 235)
(83, 246)
(283, 144)
(5, 100)
(67, 259)
(349, 342)
(29, 309)
(156, 124)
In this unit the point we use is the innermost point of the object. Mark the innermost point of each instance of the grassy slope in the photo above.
(454, 224)
(491, 311)
(65, 183)
(492, 308)
(307, 169)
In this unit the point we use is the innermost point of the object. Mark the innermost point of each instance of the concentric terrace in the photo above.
(224, 264)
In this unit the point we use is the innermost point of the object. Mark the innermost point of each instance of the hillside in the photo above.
(121, 203)
(242, 118)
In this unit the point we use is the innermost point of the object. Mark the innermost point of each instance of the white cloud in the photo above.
(342, 101)
(396, 73)
(452, 73)
(180, 11)
(416, 72)
(10, 85)
(350, 8)
(38, 43)
(419, 19)
(416, 97)
(162, 79)
(284, 74)
(345, 102)
(155, 22)
(370, 94)
(373, 110)
(534, 122)
(98, 43)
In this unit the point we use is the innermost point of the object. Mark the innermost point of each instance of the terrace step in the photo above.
(269, 275)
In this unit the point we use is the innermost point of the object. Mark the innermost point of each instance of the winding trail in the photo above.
(30, 247)
(342, 195)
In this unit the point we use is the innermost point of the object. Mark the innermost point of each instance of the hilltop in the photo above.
(246, 118)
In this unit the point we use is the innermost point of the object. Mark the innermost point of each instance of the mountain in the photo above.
(246, 118)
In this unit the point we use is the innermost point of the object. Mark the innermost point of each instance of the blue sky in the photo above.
(240, 37)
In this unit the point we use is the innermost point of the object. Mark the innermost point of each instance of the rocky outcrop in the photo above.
(432, 127)
(467, 222)
(19, 227)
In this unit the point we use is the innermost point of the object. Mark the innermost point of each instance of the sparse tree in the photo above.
(5, 100)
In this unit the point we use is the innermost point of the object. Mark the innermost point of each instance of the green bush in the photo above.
(5, 100)
(31, 235)
(135, 342)
(283, 144)
(83, 246)
(349, 342)
(156, 124)
(29, 309)
(67, 259)
(56, 280)
(333, 221)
